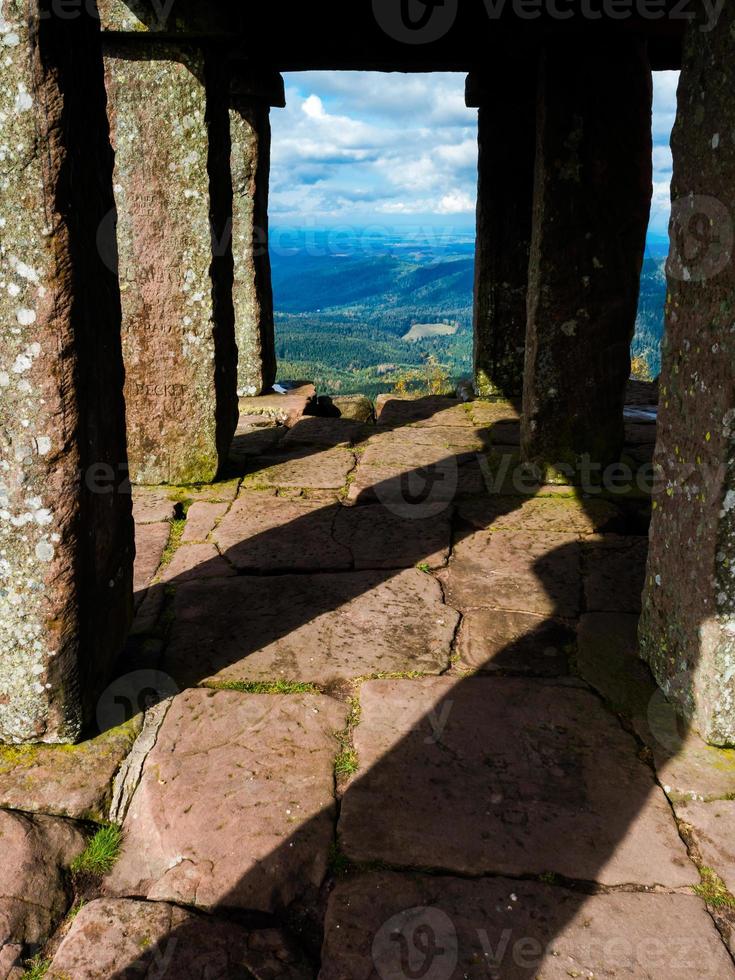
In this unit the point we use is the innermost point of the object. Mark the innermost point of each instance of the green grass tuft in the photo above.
(424, 566)
(346, 763)
(712, 889)
(178, 525)
(100, 854)
(265, 687)
(35, 968)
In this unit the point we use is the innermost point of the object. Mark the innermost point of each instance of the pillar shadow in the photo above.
(542, 808)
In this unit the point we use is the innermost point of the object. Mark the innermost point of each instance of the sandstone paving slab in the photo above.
(121, 938)
(608, 659)
(152, 505)
(315, 431)
(36, 853)
(712, 826)
(398, 925)
(505, 776)
(264, 533)
(310, 628)
(286, 409)
(418, 490)
(196, 561)
(423, 411)
(150, 543)
(492, 640)
(535, 572)
(325, 469)
(252, 440)
(235, 805)
(560, 514)
(377, 537)
(65, 780)
(687, 767)
(485, 412)
(222, 490)
(614, 573)
(201, 519)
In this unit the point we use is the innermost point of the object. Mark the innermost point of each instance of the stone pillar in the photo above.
(506, 97)
(687, 630)
(172, 187)
(250, 130)
(66, 530)
(590, 217)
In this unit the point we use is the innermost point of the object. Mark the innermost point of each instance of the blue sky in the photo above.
(355, 148)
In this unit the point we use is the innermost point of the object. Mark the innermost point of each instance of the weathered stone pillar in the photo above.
(250, 130)
(506, 97)
(66, 531)
(590, 217)
(687, 629)
(172, 187)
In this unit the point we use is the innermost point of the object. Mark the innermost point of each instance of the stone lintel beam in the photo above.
(506, 96)
(168, 114)
(256, 86)
(590, 217)
(66, 529)
(169, 18)
(687, 630)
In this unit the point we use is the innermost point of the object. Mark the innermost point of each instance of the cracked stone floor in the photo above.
(381, 716)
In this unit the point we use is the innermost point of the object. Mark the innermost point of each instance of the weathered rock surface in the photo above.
(235, 805)
(191, 562)
(687, 626)
(491, 640)
(533, 573)
(422, 411)
(311, 628)
(267, 534)
(608, 659)
(358, 408)
(152, 505)
(37, 851)
(325, 469)
(713, 829)
(687, 767)
(418, 472)
(379, 538)
(150, 543)
(560, 514)
(384, 925)
(256, 435)
(66, 550)
(593, 147)
(286, 409)
(201, 518)
(178, 342)
(116, 938)
(68, 781)
(252, 293)
(505, 776)
(325, 432)
(614, 573)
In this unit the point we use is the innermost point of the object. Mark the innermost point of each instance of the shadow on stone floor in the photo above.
(503, 822)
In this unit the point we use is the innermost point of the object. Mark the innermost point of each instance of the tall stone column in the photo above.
(250, 130)
(66, 530)
(172, 187)
(506, 97)
(590, 217)
(687, 630)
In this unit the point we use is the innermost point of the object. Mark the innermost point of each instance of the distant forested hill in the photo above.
(342, 313)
